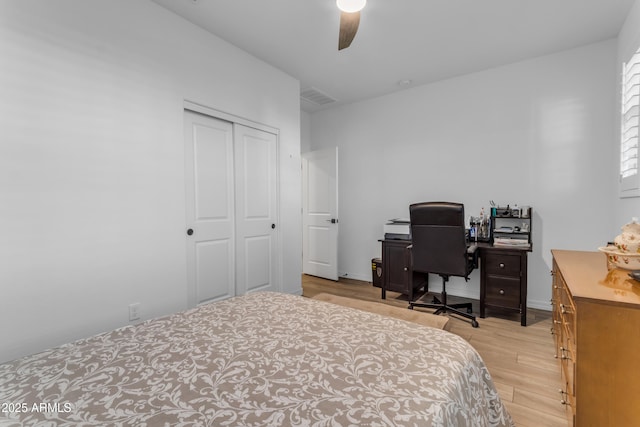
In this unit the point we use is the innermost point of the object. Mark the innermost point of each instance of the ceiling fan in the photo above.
(349, 20)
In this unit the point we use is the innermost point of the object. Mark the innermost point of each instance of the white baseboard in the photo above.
(356, 276)
(540, 305)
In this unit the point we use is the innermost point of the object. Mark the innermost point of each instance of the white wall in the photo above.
(628, 43)
(305, 132)
(92, 210)
(539, 132)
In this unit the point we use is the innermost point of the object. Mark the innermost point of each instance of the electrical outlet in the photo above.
(134, 311)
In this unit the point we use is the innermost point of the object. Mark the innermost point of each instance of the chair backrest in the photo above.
(438, 238)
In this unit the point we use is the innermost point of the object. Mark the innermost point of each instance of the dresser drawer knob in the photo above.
(501, 291)
(502, 265)
(562, 399)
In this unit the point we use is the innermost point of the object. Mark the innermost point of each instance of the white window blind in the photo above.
(630, 118)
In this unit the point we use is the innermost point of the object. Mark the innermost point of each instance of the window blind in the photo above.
(630, 117)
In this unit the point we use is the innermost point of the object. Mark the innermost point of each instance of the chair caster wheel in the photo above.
(469, 310)
(475, 323)
(410, 307)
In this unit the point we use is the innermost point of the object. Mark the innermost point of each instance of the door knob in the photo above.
(332, 220)
(190, 232)
(273, 226)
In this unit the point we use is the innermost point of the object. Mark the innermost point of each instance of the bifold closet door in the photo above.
(231, 196)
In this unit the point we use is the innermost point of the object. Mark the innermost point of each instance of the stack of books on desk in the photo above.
(513, 242)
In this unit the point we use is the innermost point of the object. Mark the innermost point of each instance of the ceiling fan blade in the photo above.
(348, 27)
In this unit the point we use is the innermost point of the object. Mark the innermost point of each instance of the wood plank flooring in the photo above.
(520, 359)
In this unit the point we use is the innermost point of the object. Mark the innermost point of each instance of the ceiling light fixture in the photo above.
(351, 6)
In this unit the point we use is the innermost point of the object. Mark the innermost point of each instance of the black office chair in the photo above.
(439, 246)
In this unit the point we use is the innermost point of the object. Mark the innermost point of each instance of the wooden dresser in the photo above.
(596, 323)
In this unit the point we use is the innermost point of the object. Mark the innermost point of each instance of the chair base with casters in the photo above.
(443, 307)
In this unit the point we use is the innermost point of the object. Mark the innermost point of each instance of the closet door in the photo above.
(256, 209)
(231, 196)
(209, 169)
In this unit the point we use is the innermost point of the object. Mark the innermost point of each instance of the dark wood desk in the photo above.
(503, 275)
(396, 264)
(503, 279)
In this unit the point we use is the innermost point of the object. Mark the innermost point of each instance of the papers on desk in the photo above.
(513, 242)
(503, 230)
(400, 221)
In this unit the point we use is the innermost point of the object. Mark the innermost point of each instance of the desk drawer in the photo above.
(502, 264)
(503, 292)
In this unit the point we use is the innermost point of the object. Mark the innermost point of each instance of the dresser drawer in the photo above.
(502, 264)
(567, 311)
(503, 292)
(567, 361)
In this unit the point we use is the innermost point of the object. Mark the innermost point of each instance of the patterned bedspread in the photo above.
(264, 359)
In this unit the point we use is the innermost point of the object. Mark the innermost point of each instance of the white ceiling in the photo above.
(418, 40)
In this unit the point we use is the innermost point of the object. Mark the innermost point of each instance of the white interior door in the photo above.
(256, 210)
(320, 213)
(210, 208)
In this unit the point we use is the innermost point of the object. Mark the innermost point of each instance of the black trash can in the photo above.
(376, 271)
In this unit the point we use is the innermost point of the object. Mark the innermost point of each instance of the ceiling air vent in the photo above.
(314, 96)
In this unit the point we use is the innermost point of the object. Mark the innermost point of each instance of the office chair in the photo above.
(439, 246)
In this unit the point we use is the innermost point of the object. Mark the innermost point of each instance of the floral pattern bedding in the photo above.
(263, 359)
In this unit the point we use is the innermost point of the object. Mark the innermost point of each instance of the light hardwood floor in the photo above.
(520, 359)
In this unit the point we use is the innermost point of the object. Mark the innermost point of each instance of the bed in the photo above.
(263, 359)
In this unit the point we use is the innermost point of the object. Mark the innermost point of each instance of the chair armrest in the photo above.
(471, 249)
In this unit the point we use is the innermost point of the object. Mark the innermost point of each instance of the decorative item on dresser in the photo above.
(596, 320)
